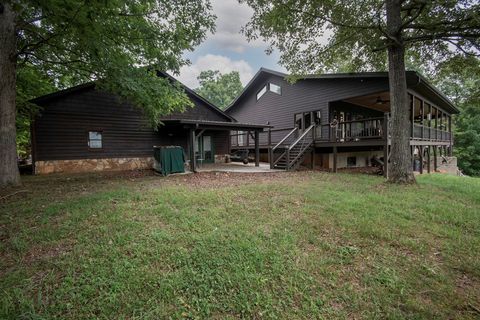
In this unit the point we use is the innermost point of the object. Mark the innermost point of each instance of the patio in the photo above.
(235, 167)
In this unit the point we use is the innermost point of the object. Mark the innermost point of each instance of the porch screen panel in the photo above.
(427, 116)
(417, 118)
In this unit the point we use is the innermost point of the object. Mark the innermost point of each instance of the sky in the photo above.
(228, 49)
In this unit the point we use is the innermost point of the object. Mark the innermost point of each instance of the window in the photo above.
(351, 162)
(95, 139)
(275, 88)
(304, 120)
(261, 92)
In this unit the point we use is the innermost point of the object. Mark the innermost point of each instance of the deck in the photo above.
(365, 132)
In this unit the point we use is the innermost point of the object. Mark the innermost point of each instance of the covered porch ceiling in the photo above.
(379, 101)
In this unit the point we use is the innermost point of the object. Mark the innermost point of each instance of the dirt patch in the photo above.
(39, 253)
(225, 179)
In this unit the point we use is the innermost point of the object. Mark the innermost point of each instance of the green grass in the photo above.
(301, 245)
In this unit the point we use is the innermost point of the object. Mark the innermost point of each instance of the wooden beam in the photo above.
(312, 162)
(257, 148)
(450, 149)
(270, 160)
(413, 117)
(423, 118)
(199, 134)
(385, 146)
(428, 160)
(193, 165)
(412, 152)
(421, 158)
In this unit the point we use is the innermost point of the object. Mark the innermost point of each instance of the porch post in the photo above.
(421, 158)
(257, 149)
(450, 149)
(313, 158)
(423, 119)
(413, 118)
(193, 165)
(435, 164)
(412, 150)
(428, 159)
(385, 146)
(270, 147)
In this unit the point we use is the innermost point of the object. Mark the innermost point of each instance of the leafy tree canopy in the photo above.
(459, 78)
(220, 89)
(110, 42)
(322, 36)
(344, 35)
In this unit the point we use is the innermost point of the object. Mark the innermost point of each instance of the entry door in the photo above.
(204, 149)
(317, 119)
(308, 121)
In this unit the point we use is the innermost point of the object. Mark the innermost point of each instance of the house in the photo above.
(84, 129)
(340, 120)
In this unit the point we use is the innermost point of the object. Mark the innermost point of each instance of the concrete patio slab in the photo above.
(236, 167)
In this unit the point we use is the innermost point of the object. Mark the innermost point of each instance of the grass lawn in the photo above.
(223, 246)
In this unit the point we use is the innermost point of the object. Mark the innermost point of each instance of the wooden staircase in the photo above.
(288, 156)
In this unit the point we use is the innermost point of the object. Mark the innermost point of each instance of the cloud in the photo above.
(188, 74)
(231, 17)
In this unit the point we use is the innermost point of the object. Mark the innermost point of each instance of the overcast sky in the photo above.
(228, 50)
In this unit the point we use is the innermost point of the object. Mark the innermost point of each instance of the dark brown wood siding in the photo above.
(303, 96)
(61, 130)
(311, 95)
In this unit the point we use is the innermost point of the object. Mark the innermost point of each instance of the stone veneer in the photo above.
(92, 165)
(220, 158)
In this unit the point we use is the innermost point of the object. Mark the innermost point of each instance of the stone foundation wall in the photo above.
(92, 165)
(446, 165)
(362, 158)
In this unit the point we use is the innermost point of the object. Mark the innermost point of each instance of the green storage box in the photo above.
(169, 159)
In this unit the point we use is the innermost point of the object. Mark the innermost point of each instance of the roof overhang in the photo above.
(415, 81)
(217, 125)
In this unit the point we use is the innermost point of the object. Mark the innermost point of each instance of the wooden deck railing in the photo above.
(345, 131)
(427, 133)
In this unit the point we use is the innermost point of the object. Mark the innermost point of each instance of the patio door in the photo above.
(204, 151)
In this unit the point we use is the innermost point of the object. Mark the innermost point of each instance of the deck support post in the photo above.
(269, 146)
(193, 165)
(435, 163)
(412, 150)
(257, 149)
(312, 162)
(450, 149)
(385, 146)
(335, 158)
(421, 159)
(428, 160)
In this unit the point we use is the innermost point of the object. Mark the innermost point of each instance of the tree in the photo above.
(459, 79)
(111, 42)
(318, 36)
(220, 89)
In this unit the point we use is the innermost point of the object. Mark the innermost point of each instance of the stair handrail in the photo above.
(301, 137)
(285, 138)
(302, 148)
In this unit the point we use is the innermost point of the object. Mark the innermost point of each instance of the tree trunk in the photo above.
(400, 169)
(9, 174)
